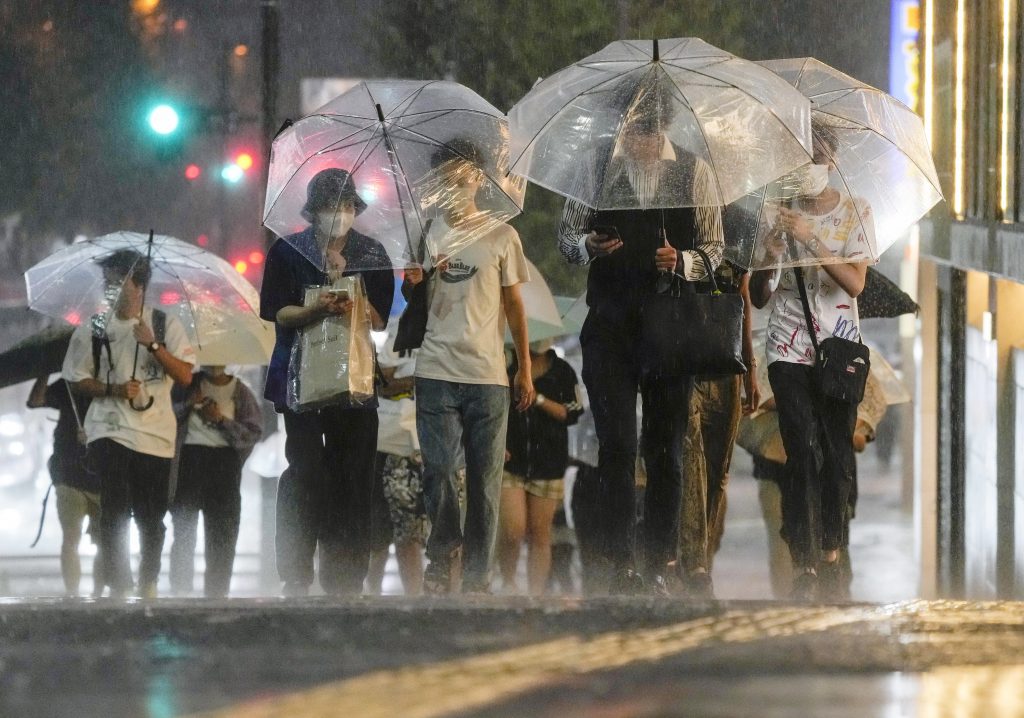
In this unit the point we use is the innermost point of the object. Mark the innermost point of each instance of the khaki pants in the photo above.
(74, 505)
(707, 451)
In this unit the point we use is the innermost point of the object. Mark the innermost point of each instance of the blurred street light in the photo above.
(163, 119)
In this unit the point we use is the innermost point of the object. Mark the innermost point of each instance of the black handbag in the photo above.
(684, 332)
(412, 325)
(841, 366)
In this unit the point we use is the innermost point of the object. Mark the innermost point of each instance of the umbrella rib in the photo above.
(304, 163)
(188, 301)
(885, 138)
(85, 260)
(555, 115)
(750, 95)
(430, 140)
(393, 158)
(704, 137)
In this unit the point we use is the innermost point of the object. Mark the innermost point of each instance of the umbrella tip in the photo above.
(380, 112)
(655, 54)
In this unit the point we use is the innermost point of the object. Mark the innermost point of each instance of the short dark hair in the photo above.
(127, 263)
(458, 148)
(652, 109)
(824, 135)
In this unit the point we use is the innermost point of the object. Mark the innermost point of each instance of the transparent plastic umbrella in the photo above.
(542, 317)
(742, 121)
(410, 147)
(883, 166)
(217, 306)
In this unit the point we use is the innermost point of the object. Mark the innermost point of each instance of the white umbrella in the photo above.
(216, 305)
(543, 320)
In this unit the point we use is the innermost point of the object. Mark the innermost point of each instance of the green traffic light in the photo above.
(163, 119)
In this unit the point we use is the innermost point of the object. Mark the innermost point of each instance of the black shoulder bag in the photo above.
(684, 332)
(412, 325)
(841, 366)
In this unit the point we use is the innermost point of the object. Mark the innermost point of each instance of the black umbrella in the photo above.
(38, 355)
(882, 298)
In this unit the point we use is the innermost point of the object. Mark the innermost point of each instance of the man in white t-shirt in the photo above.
(462, 388)
(130, 427)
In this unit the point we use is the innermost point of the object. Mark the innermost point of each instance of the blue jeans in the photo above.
(451, 416)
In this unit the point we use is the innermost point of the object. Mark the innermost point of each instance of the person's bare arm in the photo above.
(180, 371)
(515, 314)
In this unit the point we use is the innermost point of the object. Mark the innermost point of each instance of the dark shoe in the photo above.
(626, 582)
(657, 586)
(476, 588)
(294, 589)
(832, 584)
(437, 579)
(805, 588)
(699, 586)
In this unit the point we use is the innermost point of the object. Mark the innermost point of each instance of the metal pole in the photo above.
(271, 51)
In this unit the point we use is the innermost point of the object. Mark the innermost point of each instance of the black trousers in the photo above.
(132, 484)
(324, 497)
(209, 480)
(611, 373)
(817, 432)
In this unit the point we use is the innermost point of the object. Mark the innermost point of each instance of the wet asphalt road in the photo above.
(509, 657)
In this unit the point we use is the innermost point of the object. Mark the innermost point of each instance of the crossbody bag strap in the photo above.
(807, 310)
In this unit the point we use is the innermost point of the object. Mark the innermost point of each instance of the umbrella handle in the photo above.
(131, 403)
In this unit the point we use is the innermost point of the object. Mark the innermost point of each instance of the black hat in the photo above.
(328, 189)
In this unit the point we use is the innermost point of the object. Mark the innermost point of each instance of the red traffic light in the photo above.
(193, 171)
(256, 257)
(244, 160)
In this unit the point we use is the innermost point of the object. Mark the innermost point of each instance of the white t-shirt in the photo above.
(199, 432)
(396, 432)
(465, 334)
(833, 311)
(148, 432)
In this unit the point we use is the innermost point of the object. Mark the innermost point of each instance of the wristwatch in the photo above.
(539, 400)
(813, 245)
(152, 347)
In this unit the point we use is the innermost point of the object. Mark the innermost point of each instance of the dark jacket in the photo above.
(539, 444)
(286, 274)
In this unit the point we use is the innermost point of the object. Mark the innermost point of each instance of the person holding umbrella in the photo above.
(462, 388)
(628, 251)
(817, 430)
(324, 496)
(131, 446)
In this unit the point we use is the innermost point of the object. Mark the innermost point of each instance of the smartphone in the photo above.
(341, 294)
(608, 230)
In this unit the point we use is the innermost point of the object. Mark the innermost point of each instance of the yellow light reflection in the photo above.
(958, 101)
(1004, 118)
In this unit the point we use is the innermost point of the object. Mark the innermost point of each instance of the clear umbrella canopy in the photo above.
(414, 151)
(742, 121)
(882, 168)
(217, 306)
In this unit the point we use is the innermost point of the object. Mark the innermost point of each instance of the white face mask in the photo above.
(338, 224)
(813, 180)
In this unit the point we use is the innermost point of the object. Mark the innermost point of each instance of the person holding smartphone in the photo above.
(324, 497)
(626, 250)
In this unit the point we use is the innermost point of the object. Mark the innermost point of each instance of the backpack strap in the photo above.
(159, 324)
(100, 340)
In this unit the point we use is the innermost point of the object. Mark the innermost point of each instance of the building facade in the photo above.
(970, 439)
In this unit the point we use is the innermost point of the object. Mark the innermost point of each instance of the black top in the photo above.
(286, 274)
(617, 283)
(67, 464)
(539, 444)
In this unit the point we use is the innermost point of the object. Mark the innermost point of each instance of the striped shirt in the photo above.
(577, 218)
